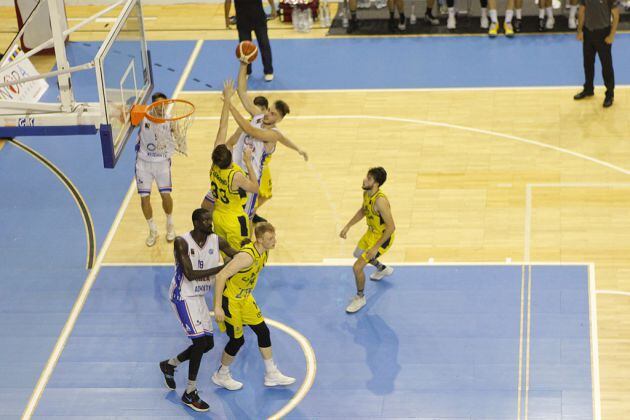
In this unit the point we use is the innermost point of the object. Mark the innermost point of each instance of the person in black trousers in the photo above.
(597, 25)
(250, 16)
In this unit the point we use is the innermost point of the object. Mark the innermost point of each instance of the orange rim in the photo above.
(168, 101)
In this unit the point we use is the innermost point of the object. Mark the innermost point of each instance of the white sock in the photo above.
(493, 16)
(541, 13)
(191, 386)
(549, 12)
(224, 369)
(174, 361)
(451, 11)
(152, 226)
(269, 365)
(519, 14)
(169, 220)
(508, 16)
(573, 11)
(484, 12)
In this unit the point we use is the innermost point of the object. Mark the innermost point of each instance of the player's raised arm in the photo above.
(258, 133)
(246, 100)
(240, 261)
(181, 254)
(228, 92)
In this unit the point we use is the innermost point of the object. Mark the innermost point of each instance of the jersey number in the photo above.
(216, 190)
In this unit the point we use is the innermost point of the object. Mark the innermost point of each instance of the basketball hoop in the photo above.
(176, 112)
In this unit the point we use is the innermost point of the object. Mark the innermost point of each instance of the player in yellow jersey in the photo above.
(235, 306)
(229, 184)
(378, 238)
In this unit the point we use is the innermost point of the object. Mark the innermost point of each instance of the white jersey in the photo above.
(155, 142)
(259, 152)
(203, 258)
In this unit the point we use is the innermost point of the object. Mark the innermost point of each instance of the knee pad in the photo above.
(233, 346)
(262, 332)
(357, 253)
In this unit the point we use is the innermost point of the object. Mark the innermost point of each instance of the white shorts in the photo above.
(147, 171)
(194, 315)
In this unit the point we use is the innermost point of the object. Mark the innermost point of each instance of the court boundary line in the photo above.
(404, 90)
(91, 278)
(86, 215)
(395, 264)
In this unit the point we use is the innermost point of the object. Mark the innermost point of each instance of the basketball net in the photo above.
(177, 113)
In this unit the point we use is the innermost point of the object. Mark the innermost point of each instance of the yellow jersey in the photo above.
(226, 200)
(241, 284)
(375, 222)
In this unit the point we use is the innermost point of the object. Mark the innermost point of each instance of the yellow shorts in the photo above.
(265, 183)
(239, 313)
(233, 228)
(369, 239)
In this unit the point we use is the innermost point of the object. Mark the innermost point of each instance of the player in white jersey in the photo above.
(196, 263)
(261, 133)
(154, 149)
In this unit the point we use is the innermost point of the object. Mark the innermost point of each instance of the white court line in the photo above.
(520, 346)
(612, 292)
(442, 89)
(350, 262)
(592, 287)
(89, 281)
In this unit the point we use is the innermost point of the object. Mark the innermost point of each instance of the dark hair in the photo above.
(222, 156)
(261, 101)
(158, 96)
(262, 228)
(196, 216)
(378, 174)
(282, 107)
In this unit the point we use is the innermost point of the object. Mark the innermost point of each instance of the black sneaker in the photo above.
(193, 401)
(517, 25)
(608, 101)
(258, 219)
(583, 94)
(169, 374)
(541, 25)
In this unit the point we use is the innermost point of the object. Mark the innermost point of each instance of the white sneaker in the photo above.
(550, 23)
(226, 381)
(276, 378)
(572, 23)
(402, 26)
(152, 238)
(355, 304)
(170, 233)
(379, 274)
(268, 77)
(451, 23)
(485, 23)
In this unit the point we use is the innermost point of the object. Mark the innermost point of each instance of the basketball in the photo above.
(246, 51)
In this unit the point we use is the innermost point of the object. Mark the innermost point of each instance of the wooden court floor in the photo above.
(460, 164)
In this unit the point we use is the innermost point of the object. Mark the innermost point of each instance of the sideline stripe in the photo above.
(76, 195)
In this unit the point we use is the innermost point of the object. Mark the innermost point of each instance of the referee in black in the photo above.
(597, 25)
(250, 16)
